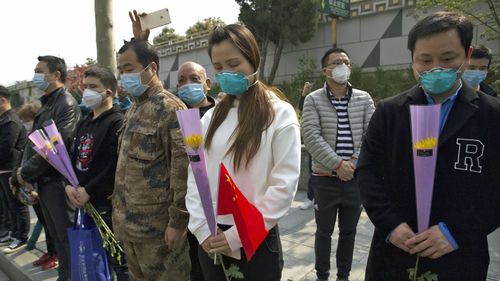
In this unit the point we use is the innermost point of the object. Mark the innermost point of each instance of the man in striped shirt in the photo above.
(334, 120)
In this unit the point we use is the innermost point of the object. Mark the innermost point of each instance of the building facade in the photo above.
(375, 36)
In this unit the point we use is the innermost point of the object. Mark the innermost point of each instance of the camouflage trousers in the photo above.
(152, 261)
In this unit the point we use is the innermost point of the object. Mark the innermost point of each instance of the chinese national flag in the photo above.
(248, 219)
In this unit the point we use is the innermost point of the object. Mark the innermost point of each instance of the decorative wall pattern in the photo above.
(174, 47)
(366, 7)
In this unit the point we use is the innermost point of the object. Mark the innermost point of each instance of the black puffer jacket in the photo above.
(63, 109)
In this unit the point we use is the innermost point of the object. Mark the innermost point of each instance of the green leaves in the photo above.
(280, 22)
(206, 25)
(108, 238)
(483, 12)
(167, 34)
(233, 272)
(427, 276)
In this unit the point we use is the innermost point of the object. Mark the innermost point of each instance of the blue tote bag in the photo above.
(88, 257)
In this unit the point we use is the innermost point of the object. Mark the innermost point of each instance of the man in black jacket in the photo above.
(12, 141)
(95, 150)
(60, 106)
(465, 206)
(477, 70)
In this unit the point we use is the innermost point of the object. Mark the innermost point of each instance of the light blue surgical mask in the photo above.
(234, 83)
(192, 94)
(39, 81)
(439, 80)
(132, 83)
(474, 77)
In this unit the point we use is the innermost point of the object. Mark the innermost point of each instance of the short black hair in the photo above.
(482, 52)
(4, 92)
(441, 22)
(105, 75)
(55, 64)
(330, 51)
(145, 52)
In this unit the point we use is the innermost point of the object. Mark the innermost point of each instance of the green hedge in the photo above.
(379, 84)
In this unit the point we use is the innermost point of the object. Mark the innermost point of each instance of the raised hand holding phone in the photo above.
(154, 19)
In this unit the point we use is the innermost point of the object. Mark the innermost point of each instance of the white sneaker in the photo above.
(307, 204)
(14, 246)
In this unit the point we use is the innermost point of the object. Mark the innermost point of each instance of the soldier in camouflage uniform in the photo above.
(149, 212)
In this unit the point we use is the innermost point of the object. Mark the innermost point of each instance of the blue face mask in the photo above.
(474, 77)
(192, 94)
(233, 83)
(39, 81)
(439, 80)
(125, 104)
(132, 83)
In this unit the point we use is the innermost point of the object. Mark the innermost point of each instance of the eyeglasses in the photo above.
(339, 62)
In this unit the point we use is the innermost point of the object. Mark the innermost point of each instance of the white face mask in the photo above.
(341, 73)
(92, 99)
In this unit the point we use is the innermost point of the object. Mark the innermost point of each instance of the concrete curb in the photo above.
(18, 266)
(11, 269)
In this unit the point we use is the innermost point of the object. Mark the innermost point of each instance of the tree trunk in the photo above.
(106, 55)
(276, 60)
(263, 55)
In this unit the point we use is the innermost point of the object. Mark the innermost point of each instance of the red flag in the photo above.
(248, 219)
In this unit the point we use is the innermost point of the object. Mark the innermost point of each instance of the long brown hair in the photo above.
(255, 110)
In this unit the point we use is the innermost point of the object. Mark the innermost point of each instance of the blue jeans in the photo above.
(335, 197)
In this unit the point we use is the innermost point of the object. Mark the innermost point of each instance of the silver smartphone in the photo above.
(155, 19)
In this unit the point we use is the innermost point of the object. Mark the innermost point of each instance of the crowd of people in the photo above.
(129, 157)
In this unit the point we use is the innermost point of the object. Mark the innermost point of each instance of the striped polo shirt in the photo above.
(344, 145)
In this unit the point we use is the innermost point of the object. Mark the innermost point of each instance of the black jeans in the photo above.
(58, 214)
(334, 196)
(310, 189)
(17, 213)
(117, 269)
(196, 273)
(265, 265)
(5, 224)
(51, 248)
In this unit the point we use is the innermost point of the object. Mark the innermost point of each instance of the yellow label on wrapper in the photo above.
(428, 143)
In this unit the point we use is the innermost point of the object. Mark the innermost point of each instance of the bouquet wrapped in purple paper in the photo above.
(48, 144)
(425, 126)
(189, 121)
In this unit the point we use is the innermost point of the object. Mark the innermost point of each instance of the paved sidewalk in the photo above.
(297, 230)
(297, 235)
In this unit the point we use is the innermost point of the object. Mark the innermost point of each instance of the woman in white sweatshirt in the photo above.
(256, 135)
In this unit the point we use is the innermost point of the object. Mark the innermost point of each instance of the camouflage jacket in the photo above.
(151, 173)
